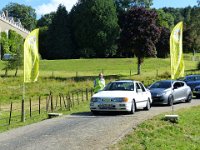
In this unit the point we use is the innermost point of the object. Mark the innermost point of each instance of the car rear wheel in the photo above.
(95, 112)
(148, 106)
(189, 98)
(170, 100)
(133, 108)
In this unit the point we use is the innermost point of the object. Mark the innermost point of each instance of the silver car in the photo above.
(170, 91)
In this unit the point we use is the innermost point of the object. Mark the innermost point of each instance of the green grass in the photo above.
(157, 134)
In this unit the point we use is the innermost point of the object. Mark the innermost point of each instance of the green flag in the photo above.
(176, 52)
(31, 57)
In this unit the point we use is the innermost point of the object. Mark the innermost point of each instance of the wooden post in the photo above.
(64, 102)
(10, 114)
(30, 107)
(51, 103)
(82, 95)
(72, 99)
(130, 72)
(77, 94)
(47, 104)
(23, 112)
(69, 102)
(60, 101)
(91, 92)
(39, 103)
(86, 94)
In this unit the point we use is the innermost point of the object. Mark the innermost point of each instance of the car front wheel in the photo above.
(133, 108)
(148, 106)
(170, 100)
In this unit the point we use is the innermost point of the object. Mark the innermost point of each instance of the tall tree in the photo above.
(26, 14)
(140, 33)
(59, 36)
(45, 20)
(95, 27)
(162, 46)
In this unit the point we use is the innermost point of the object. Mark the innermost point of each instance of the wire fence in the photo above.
(29, 109)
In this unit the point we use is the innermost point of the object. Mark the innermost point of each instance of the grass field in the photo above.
(61, 76)
(157, 134)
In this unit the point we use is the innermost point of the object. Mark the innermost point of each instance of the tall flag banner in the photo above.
(31, 57)
(176, 51)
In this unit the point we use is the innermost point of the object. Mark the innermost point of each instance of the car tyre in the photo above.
(170, 100)
(133, 108)
(148, 106)
(94, 112)
(189, 98)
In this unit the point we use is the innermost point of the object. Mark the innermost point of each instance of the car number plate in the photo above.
(105, 106)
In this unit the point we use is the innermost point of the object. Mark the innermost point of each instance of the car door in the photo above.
(141, 95)
(179, 91)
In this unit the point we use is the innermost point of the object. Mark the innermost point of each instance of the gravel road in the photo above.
(79, 131)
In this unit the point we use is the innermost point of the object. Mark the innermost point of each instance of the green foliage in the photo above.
(13, 45)
(45, 20)
(99, 28)
(59, 36)
(198, 66)
(5, 43)
(165, 19)
(26, 14)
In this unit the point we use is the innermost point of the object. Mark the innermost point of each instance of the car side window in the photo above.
(138, 87)
(176, 85)
(142, 87)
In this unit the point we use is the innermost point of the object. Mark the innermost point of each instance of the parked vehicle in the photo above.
(123, 95)
(192, 81)
(170, 91)
(196, 91)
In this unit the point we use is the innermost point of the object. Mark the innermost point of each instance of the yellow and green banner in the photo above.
(31, 57)
(176, 52)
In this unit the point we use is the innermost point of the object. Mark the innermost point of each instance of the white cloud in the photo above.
(53, 5)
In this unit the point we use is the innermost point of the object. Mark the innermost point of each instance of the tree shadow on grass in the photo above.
(83, 78)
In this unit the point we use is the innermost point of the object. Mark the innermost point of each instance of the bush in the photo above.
(198, 66)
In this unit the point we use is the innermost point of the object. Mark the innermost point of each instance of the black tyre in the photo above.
(170, 100)
(133, 108)
(189, 98)
(148, 106)
(95, 112)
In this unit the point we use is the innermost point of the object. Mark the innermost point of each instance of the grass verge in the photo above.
(157, 134)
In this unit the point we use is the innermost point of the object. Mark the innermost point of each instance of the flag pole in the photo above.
(22, 108)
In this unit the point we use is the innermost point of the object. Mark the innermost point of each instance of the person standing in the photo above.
(99, 83)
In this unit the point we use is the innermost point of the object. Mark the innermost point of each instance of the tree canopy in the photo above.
(26, 14)
(140, 33)
(95, 27)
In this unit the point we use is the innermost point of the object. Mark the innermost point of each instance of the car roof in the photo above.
(126, 80)
(194, 75)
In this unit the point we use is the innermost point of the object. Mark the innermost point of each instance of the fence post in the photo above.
(60, 101)
(130, 72)
(51, 103)
(72, 99)
(91, 91)
(10, 113)
(77, 94)
(23, 112)
(82, 95)
(47, 104)
(39, 103)
(86, 94)
(69, 102)
(64, 101)
(30, 107)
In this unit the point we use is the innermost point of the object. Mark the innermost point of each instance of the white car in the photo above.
(122, 95)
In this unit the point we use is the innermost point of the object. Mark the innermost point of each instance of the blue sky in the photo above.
(46, 6)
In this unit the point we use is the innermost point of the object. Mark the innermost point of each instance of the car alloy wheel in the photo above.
(148, 106)
(189, 98)
(132, 108)
(170, 100)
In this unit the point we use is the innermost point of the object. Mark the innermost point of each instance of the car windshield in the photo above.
(119, 86)
(161, 84)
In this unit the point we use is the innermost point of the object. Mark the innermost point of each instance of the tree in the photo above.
(140, 33)
(162, 46)
(45, 20)
(26, 14)
(164, 19)
(96, 34)
(59, 36)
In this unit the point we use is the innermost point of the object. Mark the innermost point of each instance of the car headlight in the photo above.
(122, 99)
(161, 94)
(95, 99)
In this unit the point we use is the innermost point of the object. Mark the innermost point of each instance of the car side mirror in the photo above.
(139, 90)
